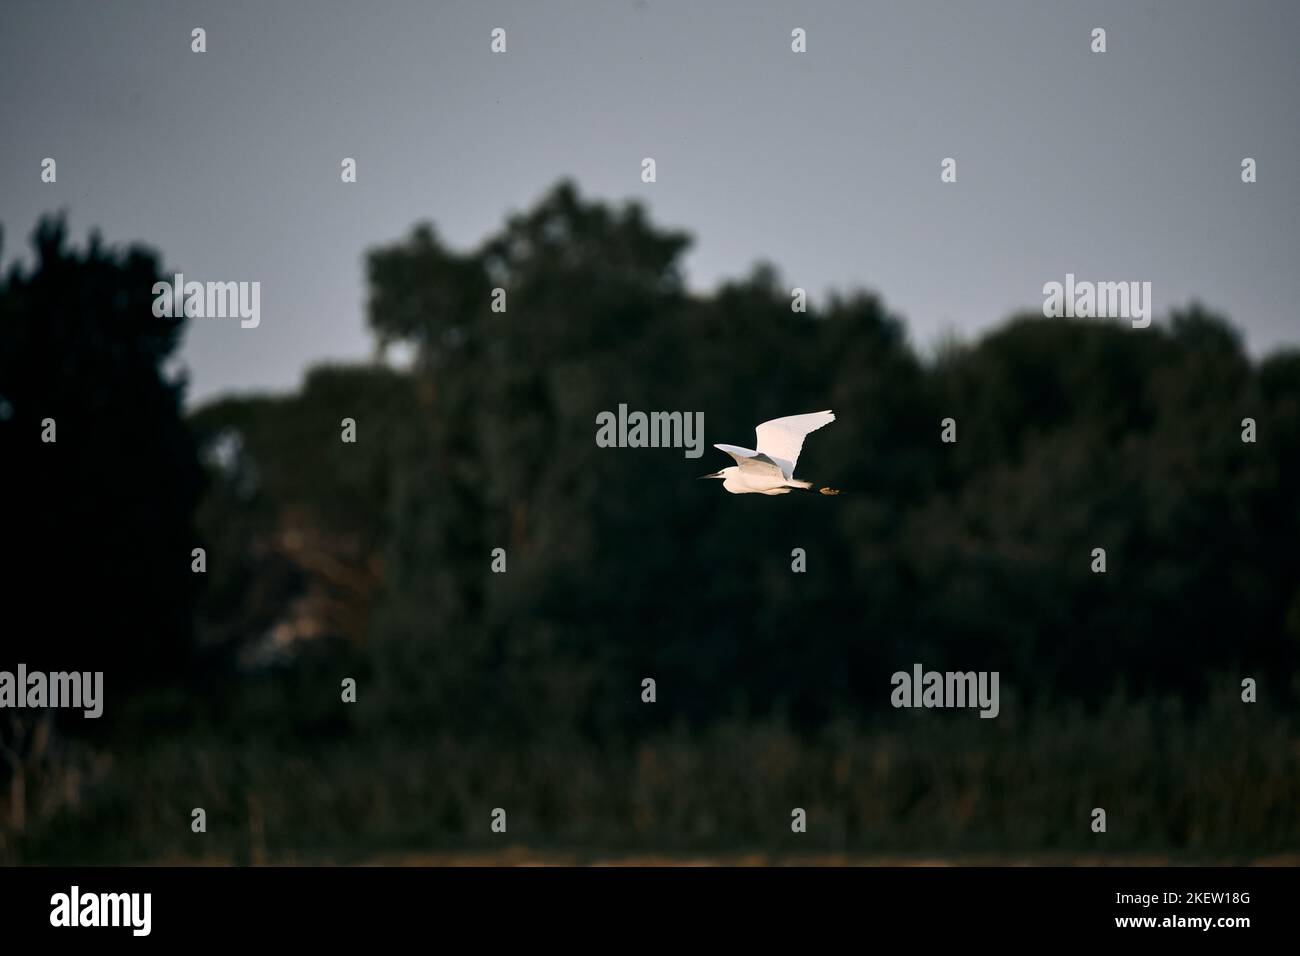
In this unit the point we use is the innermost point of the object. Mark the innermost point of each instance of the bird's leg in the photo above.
(808, 486)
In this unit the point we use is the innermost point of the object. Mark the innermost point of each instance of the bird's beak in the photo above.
(716, 474)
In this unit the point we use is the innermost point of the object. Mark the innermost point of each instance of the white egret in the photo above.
(769, 469)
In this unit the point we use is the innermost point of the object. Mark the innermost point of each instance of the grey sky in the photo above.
(1123, 165)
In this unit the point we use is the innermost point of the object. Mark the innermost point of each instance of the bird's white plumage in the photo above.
(781, 439)
(769, 469)
(753, 462)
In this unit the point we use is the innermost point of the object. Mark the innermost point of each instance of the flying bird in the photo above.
(769, 469)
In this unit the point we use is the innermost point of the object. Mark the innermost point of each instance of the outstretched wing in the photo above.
(781, 439)
(753, 462)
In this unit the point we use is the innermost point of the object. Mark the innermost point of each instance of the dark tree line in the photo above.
(1071, 435)
(373, 558)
